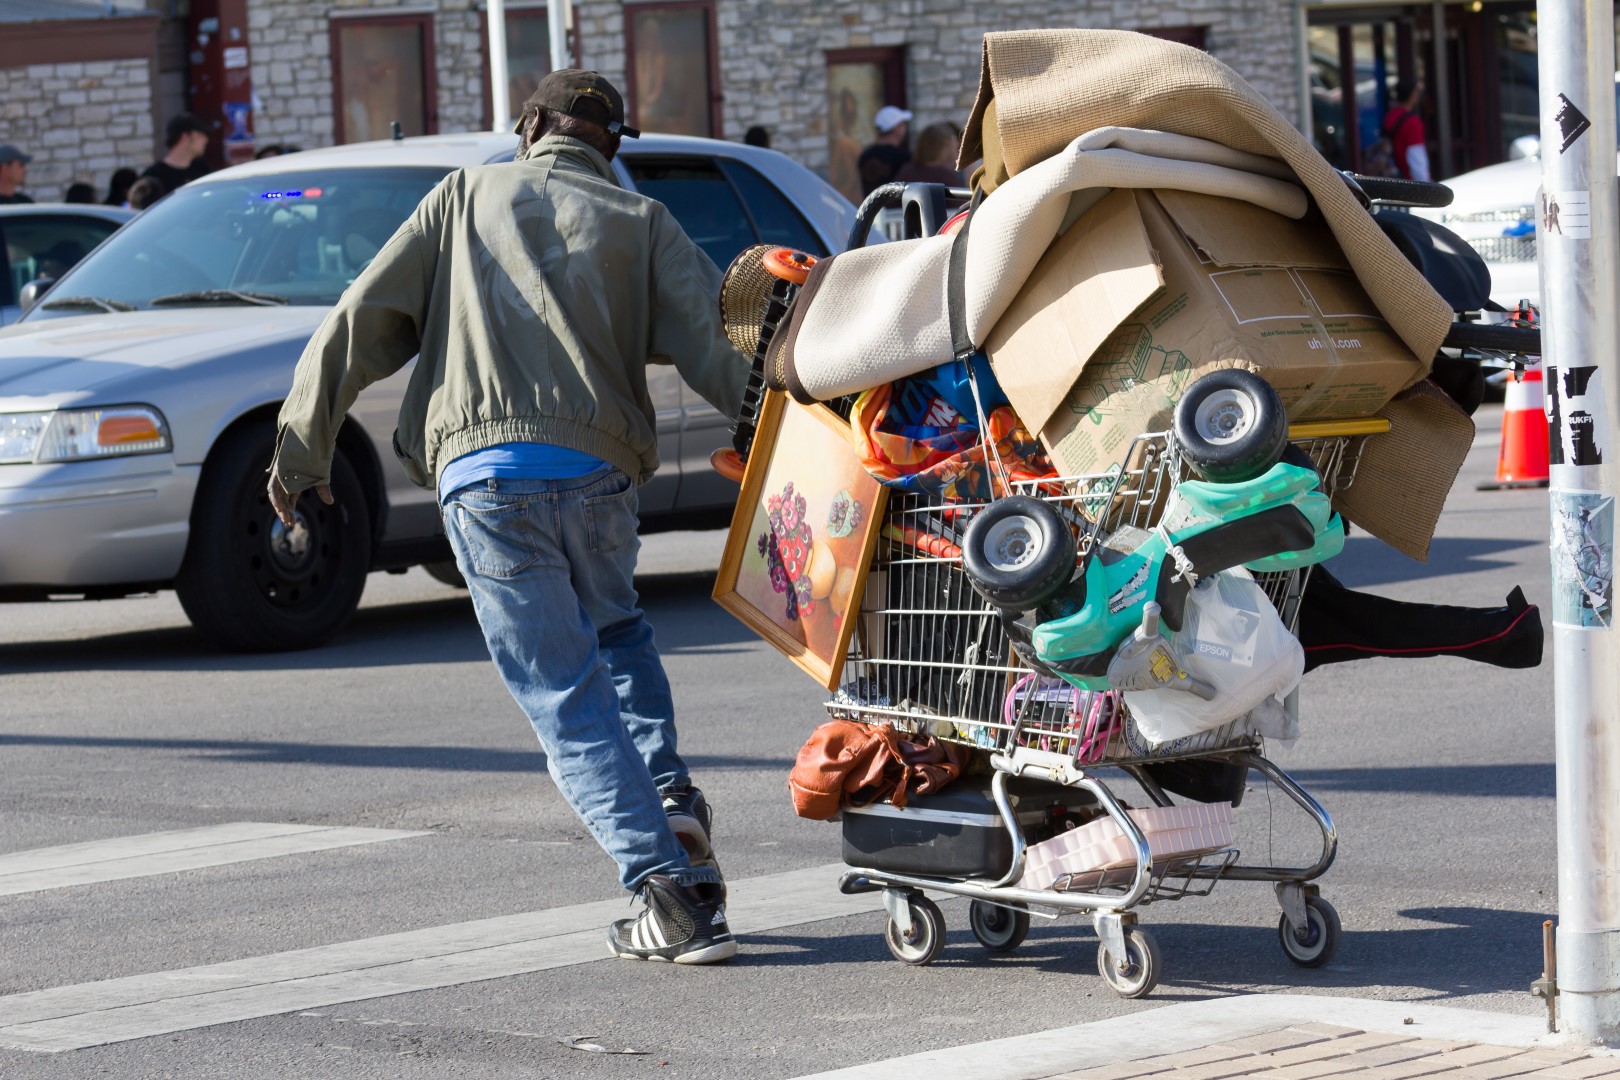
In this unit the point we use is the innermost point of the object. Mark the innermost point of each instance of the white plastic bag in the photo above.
(1232, 638)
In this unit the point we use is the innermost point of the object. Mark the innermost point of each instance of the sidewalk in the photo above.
(1272, 1036)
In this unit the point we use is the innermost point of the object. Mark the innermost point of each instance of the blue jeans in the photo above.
(549, 565)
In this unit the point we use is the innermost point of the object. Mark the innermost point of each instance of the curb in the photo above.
(1189, 1026)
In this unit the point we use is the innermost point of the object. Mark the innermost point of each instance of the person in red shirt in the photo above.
(1404, 127)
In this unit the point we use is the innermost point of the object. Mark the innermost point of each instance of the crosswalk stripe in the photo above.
(169, 852)
(139, 1006)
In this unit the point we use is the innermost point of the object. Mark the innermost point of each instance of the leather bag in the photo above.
(845, 761)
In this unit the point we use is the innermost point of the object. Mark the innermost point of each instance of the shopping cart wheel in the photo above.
(1018, 553)
(1313, 944)
(927, 937)
(999, 929)
(1230, 426)
(1138, 973)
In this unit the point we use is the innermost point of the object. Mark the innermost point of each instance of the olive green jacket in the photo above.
(534, 292)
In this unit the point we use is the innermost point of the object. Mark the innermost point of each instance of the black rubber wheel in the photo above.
(447, 572)
(1018, 553)
(999, 929)
(927, 938)
(1314, 945)
(250, 585)
(1230, 426)
(1494, 337)
(1138, 972)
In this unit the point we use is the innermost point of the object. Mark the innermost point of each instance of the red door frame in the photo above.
(430, 82)
(716, 128)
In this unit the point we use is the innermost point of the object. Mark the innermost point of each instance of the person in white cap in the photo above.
(13, 171)
(880, 162)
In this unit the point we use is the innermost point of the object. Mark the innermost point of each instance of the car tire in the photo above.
(245, 584)
(446, 572)
(1230, 426)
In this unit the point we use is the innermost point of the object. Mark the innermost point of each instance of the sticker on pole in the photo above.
(1567, 214)
(1575, 416)
(1572, 123)
(1583, 559)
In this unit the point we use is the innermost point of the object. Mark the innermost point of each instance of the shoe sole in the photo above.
(710, 954)
(689, 831)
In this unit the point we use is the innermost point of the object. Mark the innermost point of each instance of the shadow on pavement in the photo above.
(1481, 781)
(435, 758)
(388, 635)
(1369, 562)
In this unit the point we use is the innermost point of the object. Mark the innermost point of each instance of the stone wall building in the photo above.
(319, 72)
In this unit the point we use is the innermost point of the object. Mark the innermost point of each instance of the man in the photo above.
(1404, 129)
(536, 292)
(13, 171)
(881, 162)
(187, 136)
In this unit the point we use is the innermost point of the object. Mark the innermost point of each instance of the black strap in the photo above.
(956, 292)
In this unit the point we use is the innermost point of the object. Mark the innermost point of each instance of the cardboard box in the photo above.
(1150, 289)
(1403, 475)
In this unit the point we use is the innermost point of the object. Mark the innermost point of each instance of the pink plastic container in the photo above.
(1101, 853)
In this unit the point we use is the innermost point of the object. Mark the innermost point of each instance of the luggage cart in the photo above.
(929, 655)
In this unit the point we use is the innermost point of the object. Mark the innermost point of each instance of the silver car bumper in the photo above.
(114, 522)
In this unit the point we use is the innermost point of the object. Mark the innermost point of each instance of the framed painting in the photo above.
(802, 537)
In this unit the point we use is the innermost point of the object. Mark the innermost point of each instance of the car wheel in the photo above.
(250, 584)
(447, 572)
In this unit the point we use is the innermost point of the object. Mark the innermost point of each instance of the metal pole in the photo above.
(500, 87)
(1442, 85)
(1579, 248)
(557, 19)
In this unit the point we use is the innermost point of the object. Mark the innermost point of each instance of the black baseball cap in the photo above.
(584, 95)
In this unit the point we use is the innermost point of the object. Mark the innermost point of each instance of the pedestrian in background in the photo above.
(881, 161)
(79, 192)
(118, 187)
(13, 173)
(144, 192)
(934, 161)
(535, 293)
(187, 136)
(758, 136)
(1403, 127)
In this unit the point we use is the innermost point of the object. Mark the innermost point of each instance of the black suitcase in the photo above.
(958, 832)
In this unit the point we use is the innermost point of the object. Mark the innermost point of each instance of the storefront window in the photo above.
(672, 67)
(382, 71)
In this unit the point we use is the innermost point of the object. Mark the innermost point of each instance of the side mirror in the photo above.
(32, 291)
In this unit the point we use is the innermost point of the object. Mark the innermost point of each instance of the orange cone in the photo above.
(1521, 461)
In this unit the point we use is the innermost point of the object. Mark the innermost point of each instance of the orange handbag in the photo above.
(862, 763)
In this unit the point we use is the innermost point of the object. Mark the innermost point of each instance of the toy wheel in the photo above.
(1230, 426)
(789, 265)
(1314, 944)
(1018, 553)
(1137, 973)
(927, 937)
(999, 929)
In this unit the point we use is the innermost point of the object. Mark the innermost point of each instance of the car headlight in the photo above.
(82, 434)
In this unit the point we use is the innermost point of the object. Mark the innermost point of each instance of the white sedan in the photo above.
(138, 396)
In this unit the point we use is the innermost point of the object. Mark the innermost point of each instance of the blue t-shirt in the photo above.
(517, 461)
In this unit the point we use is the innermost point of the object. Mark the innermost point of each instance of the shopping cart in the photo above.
(929, 655)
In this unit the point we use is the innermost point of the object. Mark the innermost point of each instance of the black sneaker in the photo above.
(691, 819)
(683, 924)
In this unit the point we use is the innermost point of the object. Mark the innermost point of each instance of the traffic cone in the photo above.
(1521, 461)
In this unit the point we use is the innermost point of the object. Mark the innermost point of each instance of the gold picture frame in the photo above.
(802, 537)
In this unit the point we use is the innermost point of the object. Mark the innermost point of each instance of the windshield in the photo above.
(295, 237)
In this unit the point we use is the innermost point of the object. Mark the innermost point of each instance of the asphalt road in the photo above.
(117, 721)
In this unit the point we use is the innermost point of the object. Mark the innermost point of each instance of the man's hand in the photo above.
(283, 501)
